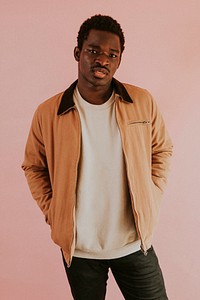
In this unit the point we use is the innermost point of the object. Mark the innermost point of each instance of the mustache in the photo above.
(98, 65)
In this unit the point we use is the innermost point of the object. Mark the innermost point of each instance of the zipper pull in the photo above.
(145, 252)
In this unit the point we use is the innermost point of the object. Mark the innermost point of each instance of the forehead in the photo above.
(101, 39)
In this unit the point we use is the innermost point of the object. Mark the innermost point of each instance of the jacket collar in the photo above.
(67, 98)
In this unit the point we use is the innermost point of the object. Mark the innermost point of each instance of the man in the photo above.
(96, 162)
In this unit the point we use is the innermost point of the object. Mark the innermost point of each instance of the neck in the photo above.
(95, 95)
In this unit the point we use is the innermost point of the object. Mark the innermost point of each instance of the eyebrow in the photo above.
(98, 47)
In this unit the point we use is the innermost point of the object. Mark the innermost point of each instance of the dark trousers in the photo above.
(139, 277)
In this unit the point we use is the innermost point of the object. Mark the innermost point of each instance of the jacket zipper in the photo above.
(137, 223)
(142, 247)
(78, 158)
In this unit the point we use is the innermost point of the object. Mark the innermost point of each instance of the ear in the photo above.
(77, 53)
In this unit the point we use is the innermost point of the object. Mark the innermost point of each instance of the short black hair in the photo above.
(100, 22)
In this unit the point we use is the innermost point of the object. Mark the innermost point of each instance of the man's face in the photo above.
(98, 59)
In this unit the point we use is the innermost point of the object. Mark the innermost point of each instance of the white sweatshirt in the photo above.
(105, 226)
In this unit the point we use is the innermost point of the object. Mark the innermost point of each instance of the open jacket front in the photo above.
(53, 151)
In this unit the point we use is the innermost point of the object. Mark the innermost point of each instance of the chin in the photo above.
(101, 81)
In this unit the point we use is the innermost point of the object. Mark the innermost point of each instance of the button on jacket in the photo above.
(53, 151)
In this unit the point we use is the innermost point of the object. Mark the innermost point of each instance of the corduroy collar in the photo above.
(67, 99)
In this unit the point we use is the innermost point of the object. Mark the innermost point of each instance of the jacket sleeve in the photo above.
(36, 168)
(161, 149)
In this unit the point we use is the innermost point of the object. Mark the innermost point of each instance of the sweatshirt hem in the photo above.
(109, 254)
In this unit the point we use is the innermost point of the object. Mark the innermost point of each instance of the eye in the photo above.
(112, 55)
(92, 51)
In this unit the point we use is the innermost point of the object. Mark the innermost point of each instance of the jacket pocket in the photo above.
(138, 138)
(138, 122)
(49, 216)
(155, 204)
(157, 190)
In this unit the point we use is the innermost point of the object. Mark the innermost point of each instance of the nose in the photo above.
(102, 58)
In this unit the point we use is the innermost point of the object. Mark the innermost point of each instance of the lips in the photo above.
(100, 72)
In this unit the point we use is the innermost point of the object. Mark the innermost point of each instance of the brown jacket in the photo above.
(53, 151)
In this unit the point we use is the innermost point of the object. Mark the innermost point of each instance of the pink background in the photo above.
(163, 55)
